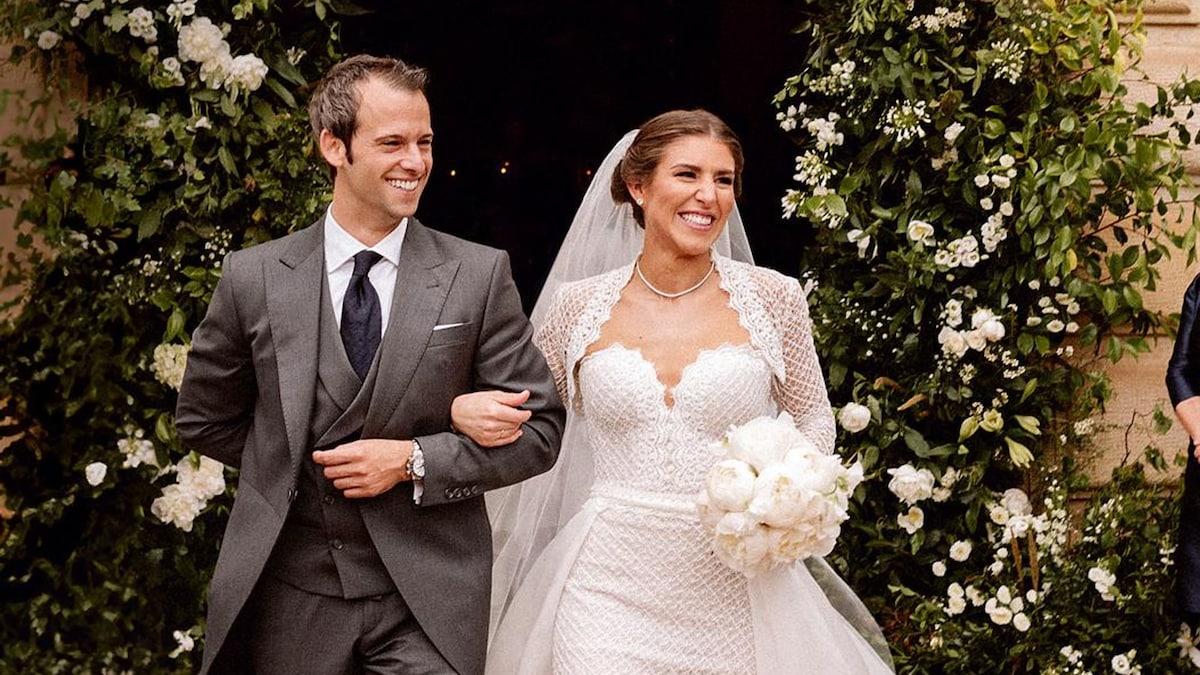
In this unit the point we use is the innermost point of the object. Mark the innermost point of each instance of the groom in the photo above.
(324, 370)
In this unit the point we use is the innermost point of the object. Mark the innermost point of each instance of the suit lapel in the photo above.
(293, 292)
(422, 283)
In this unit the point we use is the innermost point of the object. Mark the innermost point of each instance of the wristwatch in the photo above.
(416, 462)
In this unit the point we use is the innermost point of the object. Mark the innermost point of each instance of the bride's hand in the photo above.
(490, 418)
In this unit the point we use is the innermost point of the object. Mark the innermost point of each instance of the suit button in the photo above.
(291, 494)
(337, 544)
(327, 500)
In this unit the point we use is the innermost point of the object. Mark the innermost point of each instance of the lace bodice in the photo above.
(643, 443)
(770, 306)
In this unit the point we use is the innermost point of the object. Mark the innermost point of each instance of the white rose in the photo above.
(730, 485)
(854, 417)
(939, 569)
(1121, 664)
(247, 72)
(910, 484)
(956, 605)
(999, 614)
(1021, 622)
(952, 341)
(176, 506)
(1017, 502)
(1001, 182)
(920, 231)
(48, 39)
(975, 339)
(911, 521)
(992, 331)
(764, 440)
(998, 514)
(95, 473)
(981, 180)
(960, 550)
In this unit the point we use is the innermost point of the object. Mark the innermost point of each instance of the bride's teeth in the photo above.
(697, 219)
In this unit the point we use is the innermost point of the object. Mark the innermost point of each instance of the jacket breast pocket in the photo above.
(448, 334)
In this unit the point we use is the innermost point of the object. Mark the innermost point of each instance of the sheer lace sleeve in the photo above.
(551, 338)
(802, 391)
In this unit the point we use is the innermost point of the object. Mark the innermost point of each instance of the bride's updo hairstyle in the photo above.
(643, 156)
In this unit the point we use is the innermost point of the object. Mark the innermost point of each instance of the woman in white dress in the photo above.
(602, 564)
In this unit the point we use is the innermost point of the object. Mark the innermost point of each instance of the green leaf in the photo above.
(915, 441)
(968, 428)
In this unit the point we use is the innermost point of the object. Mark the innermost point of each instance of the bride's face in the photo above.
(689, 195)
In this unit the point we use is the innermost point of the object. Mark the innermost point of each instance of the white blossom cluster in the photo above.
(942, 19)
(1007, 60)
(141, 24)
(839, 80)
(1123, 664)
(1006, 608)
(824, 130)
(961, 252)
(903, 121)
(789, 119)
(170, 360)
(869, 324)
(194, 485)
(137, 449)
(1056, 313)
(912, 486)
(203, 42)
(1105, 582)
(986, 328)
(1074, 659)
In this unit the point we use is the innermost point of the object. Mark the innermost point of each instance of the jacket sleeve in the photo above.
(505, 359)
(216, 399)
(1182, 375)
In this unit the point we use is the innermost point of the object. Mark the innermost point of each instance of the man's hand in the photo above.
(365, 468)
(490, 418)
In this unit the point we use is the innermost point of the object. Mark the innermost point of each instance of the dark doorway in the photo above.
(528, 96)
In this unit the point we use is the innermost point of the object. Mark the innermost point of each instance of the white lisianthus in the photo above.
(95, 473)
(48, 39)
(920, 231)
(731, 485)
(960, 550)
(854, 417)
(912, 520)
(911, 484)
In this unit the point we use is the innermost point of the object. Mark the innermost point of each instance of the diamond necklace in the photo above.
(637, 267)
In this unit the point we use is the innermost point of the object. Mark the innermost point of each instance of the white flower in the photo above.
(95, 473)
(998, 514)
(861, 239)
(780, 497)
(986, 203)
(764, 440)
(170, 361)
(1001, 182)
(1006, 209)
(991, 420)
(854, 417)
(953, 342)
(956, 605)
(952, 132)
(184, 641)
(1188, 644)
(910, 484)
(1000, 614)
(141, 24)
(1016, 502)
(960, 550)
(992, 331)
(741, 544)
(939, 569)
(981, 180)
(48, 39)
(920, 231)
(1006, 161)
(1021, 622)
(247, 72)
(731, 485)
(137, 451)
(911, 521)
(201, 41)
(1104, 581)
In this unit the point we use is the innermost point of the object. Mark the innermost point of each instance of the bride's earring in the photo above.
(638, 201)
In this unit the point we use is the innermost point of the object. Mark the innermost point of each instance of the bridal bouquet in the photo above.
(776, 498)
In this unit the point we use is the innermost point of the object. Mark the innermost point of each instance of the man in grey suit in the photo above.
(324, 370)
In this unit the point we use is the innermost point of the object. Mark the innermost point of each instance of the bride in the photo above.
(602, 564)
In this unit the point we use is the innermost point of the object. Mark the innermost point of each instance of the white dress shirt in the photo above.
(340, 249)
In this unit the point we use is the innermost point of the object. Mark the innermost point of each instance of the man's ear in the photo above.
(332, 149)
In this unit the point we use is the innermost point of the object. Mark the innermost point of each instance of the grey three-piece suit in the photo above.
(268, 382)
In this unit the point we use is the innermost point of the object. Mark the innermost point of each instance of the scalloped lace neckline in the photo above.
(667, 397)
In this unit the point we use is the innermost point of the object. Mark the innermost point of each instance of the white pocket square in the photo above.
(444, 326)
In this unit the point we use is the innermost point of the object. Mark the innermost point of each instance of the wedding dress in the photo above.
(630, 584)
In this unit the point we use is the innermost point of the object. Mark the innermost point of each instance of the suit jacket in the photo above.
(249, 388)
(1183, 370)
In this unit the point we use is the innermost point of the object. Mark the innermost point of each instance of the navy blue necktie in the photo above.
(362, 320)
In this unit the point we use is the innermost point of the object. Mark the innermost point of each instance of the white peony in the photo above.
(247, 72)
(854, 417)
(764, 440)
(95, 473)
(741, 544)
(910, 484)
(730, 485)
(780, 496)
(202, 41)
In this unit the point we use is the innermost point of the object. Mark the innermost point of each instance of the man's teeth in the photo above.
(697, 219)
(404, 184)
